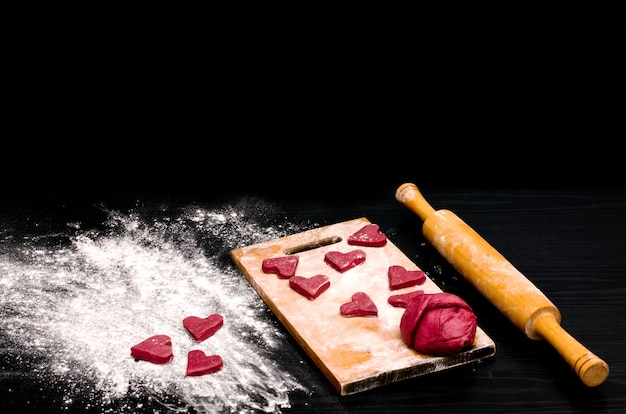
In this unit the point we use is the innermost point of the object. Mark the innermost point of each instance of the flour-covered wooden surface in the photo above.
(354, 353)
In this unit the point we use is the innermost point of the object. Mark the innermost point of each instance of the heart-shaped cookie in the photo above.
(344, 261)
(202, 328)
(284, 267)
(156, 349)
(198, 363)
(309, 287)
(360, 305)
(401, 300)
(399, 277)
(369, 235)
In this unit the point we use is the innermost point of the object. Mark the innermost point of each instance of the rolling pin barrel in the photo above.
(501, 283)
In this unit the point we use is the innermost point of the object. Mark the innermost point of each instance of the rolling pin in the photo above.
(501, 283)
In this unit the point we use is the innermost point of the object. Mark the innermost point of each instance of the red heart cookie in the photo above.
(369, 235)
(284, 267)
(198, 363)
(400, 278)
(344, 261)
(202, 328)
(400, 301)
(361, 305)
(156, 349)
(310, 287)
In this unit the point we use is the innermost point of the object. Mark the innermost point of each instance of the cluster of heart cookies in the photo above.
(158, 348)
(434, 324)
(360, 303)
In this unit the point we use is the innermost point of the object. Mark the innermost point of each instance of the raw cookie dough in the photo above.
(284, 267)
(402, 299)
(156, 349)
(438, 324)
(399, 277)
(369, 236)
(198, 363)
(344, 261)
(360, 305)
(309, 287)
(202, 328)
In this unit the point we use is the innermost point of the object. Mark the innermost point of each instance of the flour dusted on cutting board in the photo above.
(75, 308)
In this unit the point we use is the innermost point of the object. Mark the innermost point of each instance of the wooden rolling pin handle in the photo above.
(589, 368)
(409, 195)
(501, 283)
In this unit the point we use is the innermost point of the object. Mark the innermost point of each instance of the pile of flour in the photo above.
(78, 301)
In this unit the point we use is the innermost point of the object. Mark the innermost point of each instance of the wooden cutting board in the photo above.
(354, 353)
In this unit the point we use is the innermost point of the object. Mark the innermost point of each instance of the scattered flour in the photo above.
(74, 308)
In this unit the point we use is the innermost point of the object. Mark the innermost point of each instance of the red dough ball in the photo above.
(438, 324)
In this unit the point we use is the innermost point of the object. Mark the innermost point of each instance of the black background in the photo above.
(275, 97)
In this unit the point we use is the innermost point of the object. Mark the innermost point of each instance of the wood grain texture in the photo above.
(358, 353)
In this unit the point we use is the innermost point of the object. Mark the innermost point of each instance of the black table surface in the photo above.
(569, 242)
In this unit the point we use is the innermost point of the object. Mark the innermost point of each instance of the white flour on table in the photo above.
(74, 309)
